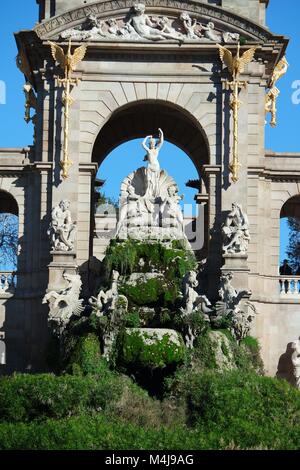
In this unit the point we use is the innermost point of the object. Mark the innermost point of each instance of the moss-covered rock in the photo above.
(150, 348)
(86, 356)
(125, 257)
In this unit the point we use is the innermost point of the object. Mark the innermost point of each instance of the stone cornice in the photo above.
(90, 168)
(113, 8)
(275, 174)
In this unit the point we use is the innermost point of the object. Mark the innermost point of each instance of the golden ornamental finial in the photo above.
(273, 93)
(68, 63)
(236, 66)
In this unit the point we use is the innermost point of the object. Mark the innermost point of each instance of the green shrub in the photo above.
(246, 408)
(25, 397)
(96, 433)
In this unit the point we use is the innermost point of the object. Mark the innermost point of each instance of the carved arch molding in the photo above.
(114, 8)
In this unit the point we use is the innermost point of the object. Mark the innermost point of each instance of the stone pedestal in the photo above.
(237, 264)
(61, 261)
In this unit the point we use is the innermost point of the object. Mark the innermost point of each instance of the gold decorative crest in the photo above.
(68, 62)
(236, 66)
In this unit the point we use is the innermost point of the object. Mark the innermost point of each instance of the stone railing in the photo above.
(7, 282)
(289, 286)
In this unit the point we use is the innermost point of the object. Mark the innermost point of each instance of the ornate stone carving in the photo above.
(147, 29)
(113, 306)
(191, 26)
(65, 303)
(296, 362)
(149, 201)
(105, 302)
(192, 299)
(235, 231)
(62, 230)
(110, 7)
(230, 308)
(142, 27)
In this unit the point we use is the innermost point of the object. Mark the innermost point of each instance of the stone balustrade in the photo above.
(7, 282)
(289, 286)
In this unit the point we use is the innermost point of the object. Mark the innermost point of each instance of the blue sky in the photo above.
(23, 14)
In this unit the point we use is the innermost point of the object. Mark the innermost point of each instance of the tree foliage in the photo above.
(293, 249)
(8, 241)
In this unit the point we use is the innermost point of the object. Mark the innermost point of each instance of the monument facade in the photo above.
(98, 73)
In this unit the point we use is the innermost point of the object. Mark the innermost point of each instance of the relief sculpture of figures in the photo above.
(296, 362)
(235, 231)
(62, 230)
(146, 28)
(139, 26)
(190, 25)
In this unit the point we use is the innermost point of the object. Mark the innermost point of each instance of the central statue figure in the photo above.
(153, 168)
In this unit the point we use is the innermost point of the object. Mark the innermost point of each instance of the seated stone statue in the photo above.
(235, 231)
(62, 230)
(174, 212)
(192, 299)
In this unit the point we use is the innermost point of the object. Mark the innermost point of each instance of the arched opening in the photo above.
(9, 237)
(290, 246)
(118, 152)
(145, 117)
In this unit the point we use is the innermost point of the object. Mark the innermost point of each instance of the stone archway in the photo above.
(136, 120)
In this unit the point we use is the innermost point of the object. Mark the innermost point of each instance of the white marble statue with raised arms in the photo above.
(153, 167)
(149, 200)
(62, 230)
(235, 231)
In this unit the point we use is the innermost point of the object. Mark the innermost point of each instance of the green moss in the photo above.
(86, 356)
(204, 352)
(225, 349)
(144, 293)
(132, 320)
(125, 256)
(139, 349)
(251, 349)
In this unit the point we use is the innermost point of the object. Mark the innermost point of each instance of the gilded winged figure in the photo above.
(236, 65)
(67, 61)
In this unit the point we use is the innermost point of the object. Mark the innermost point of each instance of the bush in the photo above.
(246, 409)
(27, 397)
(96, 433)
